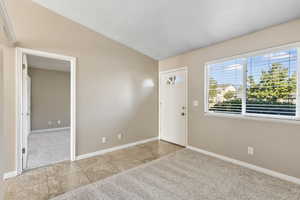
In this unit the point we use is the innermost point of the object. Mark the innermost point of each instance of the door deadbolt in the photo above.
(183, 114)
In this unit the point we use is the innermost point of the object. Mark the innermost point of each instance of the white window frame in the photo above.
(244, 77)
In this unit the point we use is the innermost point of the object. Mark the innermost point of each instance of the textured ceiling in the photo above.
(165, 28)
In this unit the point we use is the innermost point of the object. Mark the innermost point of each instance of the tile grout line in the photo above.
(49, 171)
(134, 168)
(48, 188)
(122, 171)
(82, 171)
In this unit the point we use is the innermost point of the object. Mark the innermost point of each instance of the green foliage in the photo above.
(229, 95)
(275, 84)
(212, 88)
(273, 93)
(232, 106)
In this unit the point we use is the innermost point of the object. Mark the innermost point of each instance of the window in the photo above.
(225, 86)
(261, 84)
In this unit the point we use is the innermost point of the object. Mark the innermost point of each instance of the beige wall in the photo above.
(6, 157)
(2, 142)
(111, 97)
(2, 153)
(276, 143)
(50, 98)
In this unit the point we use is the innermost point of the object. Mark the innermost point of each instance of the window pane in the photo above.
(271, 83)
(225, 86)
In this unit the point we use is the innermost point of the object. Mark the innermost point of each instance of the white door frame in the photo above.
(185, 69)
(29, 100)
(19, 129)
(25, 107)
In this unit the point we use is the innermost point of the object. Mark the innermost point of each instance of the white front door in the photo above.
(25, 110)
(173, 106)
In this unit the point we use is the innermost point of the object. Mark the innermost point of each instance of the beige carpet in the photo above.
(48, 148)
(187, 175)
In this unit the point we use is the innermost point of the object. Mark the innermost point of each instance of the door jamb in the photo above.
(19, 130)
(185, 69)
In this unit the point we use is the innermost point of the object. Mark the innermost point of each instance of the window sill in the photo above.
(254, 118)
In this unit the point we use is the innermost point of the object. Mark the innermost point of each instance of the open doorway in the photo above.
(45, 109)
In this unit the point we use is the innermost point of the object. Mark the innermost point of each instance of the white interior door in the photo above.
(173, 107)
(25, 110)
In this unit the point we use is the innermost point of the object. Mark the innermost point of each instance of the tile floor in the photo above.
(48, 148)
(51, 181)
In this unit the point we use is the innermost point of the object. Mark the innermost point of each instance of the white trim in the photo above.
(257, 117)
(96, 153)
(185, 69)
(46, 54)
(248, 165)
(206, 87)
(19, 106)
(72, 60)
(250, 117)
(9, 175)
(298, 86)
(243, 114)
(187, 107)
(49, 130)
(159, 106)
(173, 70)
(244, 87)
(256, 52)
(73, 108)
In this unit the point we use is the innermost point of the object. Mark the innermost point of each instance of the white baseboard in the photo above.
(115, 148)
(9, 175)
(249, 166)
(50, 130)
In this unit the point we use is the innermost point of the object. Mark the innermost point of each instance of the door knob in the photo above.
(183, 114)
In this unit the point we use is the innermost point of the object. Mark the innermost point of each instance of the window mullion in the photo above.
(207, 88)
(244, 85)
(298, 86)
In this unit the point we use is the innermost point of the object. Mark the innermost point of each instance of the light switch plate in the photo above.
(120, 136)
(196, 103)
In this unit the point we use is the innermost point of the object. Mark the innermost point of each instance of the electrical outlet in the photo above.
(250, 151)
(120, 136)
(49, 123)
(58, 122)
(104, 140)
